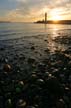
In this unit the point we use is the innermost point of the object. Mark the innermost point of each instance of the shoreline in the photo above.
(32, 76)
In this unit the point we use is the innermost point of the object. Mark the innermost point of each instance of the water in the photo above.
(18, 30)
(41, 73)
(19, 37)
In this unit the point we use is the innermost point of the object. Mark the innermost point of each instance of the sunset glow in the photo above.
(56, 18)
(55, 15)
(33, 10)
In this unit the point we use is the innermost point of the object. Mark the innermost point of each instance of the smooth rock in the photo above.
(60, 104)
(7, 68)
(18, 90)
(8, 103)
(21, 103)
(21, 83)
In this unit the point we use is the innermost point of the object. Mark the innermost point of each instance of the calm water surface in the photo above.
(36, 33)
(18, 30)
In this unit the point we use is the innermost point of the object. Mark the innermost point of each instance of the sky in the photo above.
(32, 10)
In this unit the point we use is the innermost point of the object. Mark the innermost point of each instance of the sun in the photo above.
(55, 15)
(56, 18)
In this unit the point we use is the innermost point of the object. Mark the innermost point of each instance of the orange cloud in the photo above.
(29, 10)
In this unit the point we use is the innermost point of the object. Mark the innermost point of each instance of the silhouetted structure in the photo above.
(45, 21)
(45, 18)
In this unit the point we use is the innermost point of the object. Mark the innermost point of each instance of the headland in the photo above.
(54, 22)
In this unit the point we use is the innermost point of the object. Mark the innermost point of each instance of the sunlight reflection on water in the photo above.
(36, 33)
(55, 33)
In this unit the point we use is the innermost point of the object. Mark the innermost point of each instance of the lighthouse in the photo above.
(45, 18)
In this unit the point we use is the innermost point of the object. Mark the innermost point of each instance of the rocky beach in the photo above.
(35, 70)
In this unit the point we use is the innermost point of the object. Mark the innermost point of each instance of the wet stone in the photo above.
(54, 86)
(8, 103)
(18, 90)
(33, 78)
(46, 50)
(42, 67)
(21, 83)
(2, 49)
(69, 79)
(1, 102)
(46, 75)
(50, 75)
(45, 40)
(33, 72)
(60, 104)
(66, 99)
(31, 60)
(32, 48)
(22, 57)
(30, 107)
(6, 60)
(21, 103)
(40, 81)
(8, 95)
(7, 68)
(34, 75)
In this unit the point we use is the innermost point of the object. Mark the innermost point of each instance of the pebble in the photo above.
(41, 67)
(40, 81)
(8, 103)
(21, 82)
(60, 104)
(31, 60)
(69, 78)
(45, 40)
(33, 48)
(6, 60)
(18, 90)
(21, 103)
(53, 86)
(46, 50)
(7, 68)
(50, 75)
(34, 75)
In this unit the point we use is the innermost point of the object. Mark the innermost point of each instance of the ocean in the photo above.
(20, 30)
(51, 36)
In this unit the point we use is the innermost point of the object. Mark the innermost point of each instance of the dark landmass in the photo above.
(4, 21)
(54, 22)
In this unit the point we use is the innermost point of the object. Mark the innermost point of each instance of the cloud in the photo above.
(34, 9)
(28, 5)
